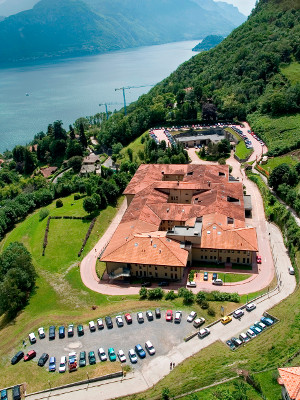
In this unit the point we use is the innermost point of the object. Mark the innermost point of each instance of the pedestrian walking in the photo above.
(170, 366)
(173, 365)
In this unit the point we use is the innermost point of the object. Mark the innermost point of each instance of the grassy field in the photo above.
(290, 159)
(135, 146)
(276, 132)
(292, 72)
(241, 150)
(233, 277)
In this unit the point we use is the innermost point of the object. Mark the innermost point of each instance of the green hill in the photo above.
(62, 28)
(208, 42)
(248, 75)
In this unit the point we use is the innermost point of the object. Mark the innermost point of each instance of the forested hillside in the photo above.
(62, 28)
(243, 77)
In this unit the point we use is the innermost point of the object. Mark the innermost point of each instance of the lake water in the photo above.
(68, 89)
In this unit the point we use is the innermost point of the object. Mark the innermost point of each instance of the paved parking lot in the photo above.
(163, 335)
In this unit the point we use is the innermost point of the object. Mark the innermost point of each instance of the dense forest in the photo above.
(64, 28)
(208, 43)
(240, 78)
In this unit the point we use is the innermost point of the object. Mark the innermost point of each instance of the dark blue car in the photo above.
(140, 351)
(61, 332)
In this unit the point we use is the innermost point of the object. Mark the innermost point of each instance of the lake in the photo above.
(72, 88)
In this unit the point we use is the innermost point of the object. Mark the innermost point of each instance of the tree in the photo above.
(72, 132)
(59, 203)
(209, 112)
(165, 394)
(143, 293)
(75, 163)
(281, 174)
(224, 147)
(89, 205)
(188, 297)
(82, 137)
(58, 132)
(200, 297)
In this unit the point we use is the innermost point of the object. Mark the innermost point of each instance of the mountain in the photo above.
(254, 74)
(62, 28)
(10, 7)
(208, 42)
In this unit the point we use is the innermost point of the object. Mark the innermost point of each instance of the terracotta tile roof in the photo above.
(152, 249)
(46, 172)
(291, 380)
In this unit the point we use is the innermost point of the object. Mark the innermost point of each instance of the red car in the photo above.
(169, 315)
(128, 318)
(258, 259)
(31, 354)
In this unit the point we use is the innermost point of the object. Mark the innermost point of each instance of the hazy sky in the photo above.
(245, 6)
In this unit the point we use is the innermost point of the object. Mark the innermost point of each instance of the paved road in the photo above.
(158, 367)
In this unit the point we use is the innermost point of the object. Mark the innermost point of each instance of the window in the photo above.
(201, 257)
(238, 260)
(238, 251)
(136, 273)
(248, 260)
(150, 273)
(205, 257)
(155, 268)
(166, 274)
(156, 275)
(243, 260)
(140, 267)
(171, 276)
(175, 276)
(232, 251)
(175, 268)
(171, 268)
(210, 257)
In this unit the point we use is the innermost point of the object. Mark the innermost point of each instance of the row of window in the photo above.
(226, 251)
(150, 266)
(228, 259)
(140, 273)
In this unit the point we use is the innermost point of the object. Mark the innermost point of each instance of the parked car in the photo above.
(119, 321)
(63, 364)
(230, 344)
(140, 351)
(41, 333)
(205, 276)
(109, 322)
(100, 324)
(291, 271)
(157, 313)
(250, 307)
(30, 355)
(163, 283)
(258, 259)
(267, 321)
(250, 333)
(244, 337)
(255, 329)
(92, 326)
(198, 322)
(71, 330)
(82, 359)
(92, 358)
(111, 354)
(61, 332)
(260, 325)
(80, 331)
(149, 315)
(203, 332)
(150, 348)
(17, 357)
(238, 313)
(237, 342)
(3, 394)
(52, 364)
(191, 284)
(132, 356)
(121, 356)
(101, 354)
(215, 276)
(178, 316)
(128, 318)
(140, 317)
(226, 319)
(146, 284)
(16, 392)
(32, 338)
(43, 359)
(191, 316)
(169, 315)
(217, 282)
(52, 332)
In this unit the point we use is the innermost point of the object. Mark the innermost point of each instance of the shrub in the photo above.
(87, 235)
(181, 291)
(59, 203)
(188, 297)
(165, 394)
(204, 305)
(143, 293)
(211, 312)
(76, 196)
(191, 275)
(155, 294)
(171, 295)
(200, 297)
(44, 212)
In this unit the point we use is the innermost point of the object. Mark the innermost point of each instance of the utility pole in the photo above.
(126, 88)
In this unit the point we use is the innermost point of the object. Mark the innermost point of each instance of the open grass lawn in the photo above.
(135, 146)
(233, 277)
(241, 150)
(290, 159)
(217, 361)
(292, 72)
(276, 132)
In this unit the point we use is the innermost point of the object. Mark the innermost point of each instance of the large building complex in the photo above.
(177, 216)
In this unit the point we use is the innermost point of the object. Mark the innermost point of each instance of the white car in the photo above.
(203, 332)
(217, 282)
(238, 313)
(150, 348)
(101, 354)
(100, 323)
(41, 333)
(178, 316)
(121, 356)
(192, 316)
(119, 320)
(92, 326)
(140, 317)
(250, 306)
(32, 338)
(132, 355)
(63, 364)
(191, 284)
(198, 322)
